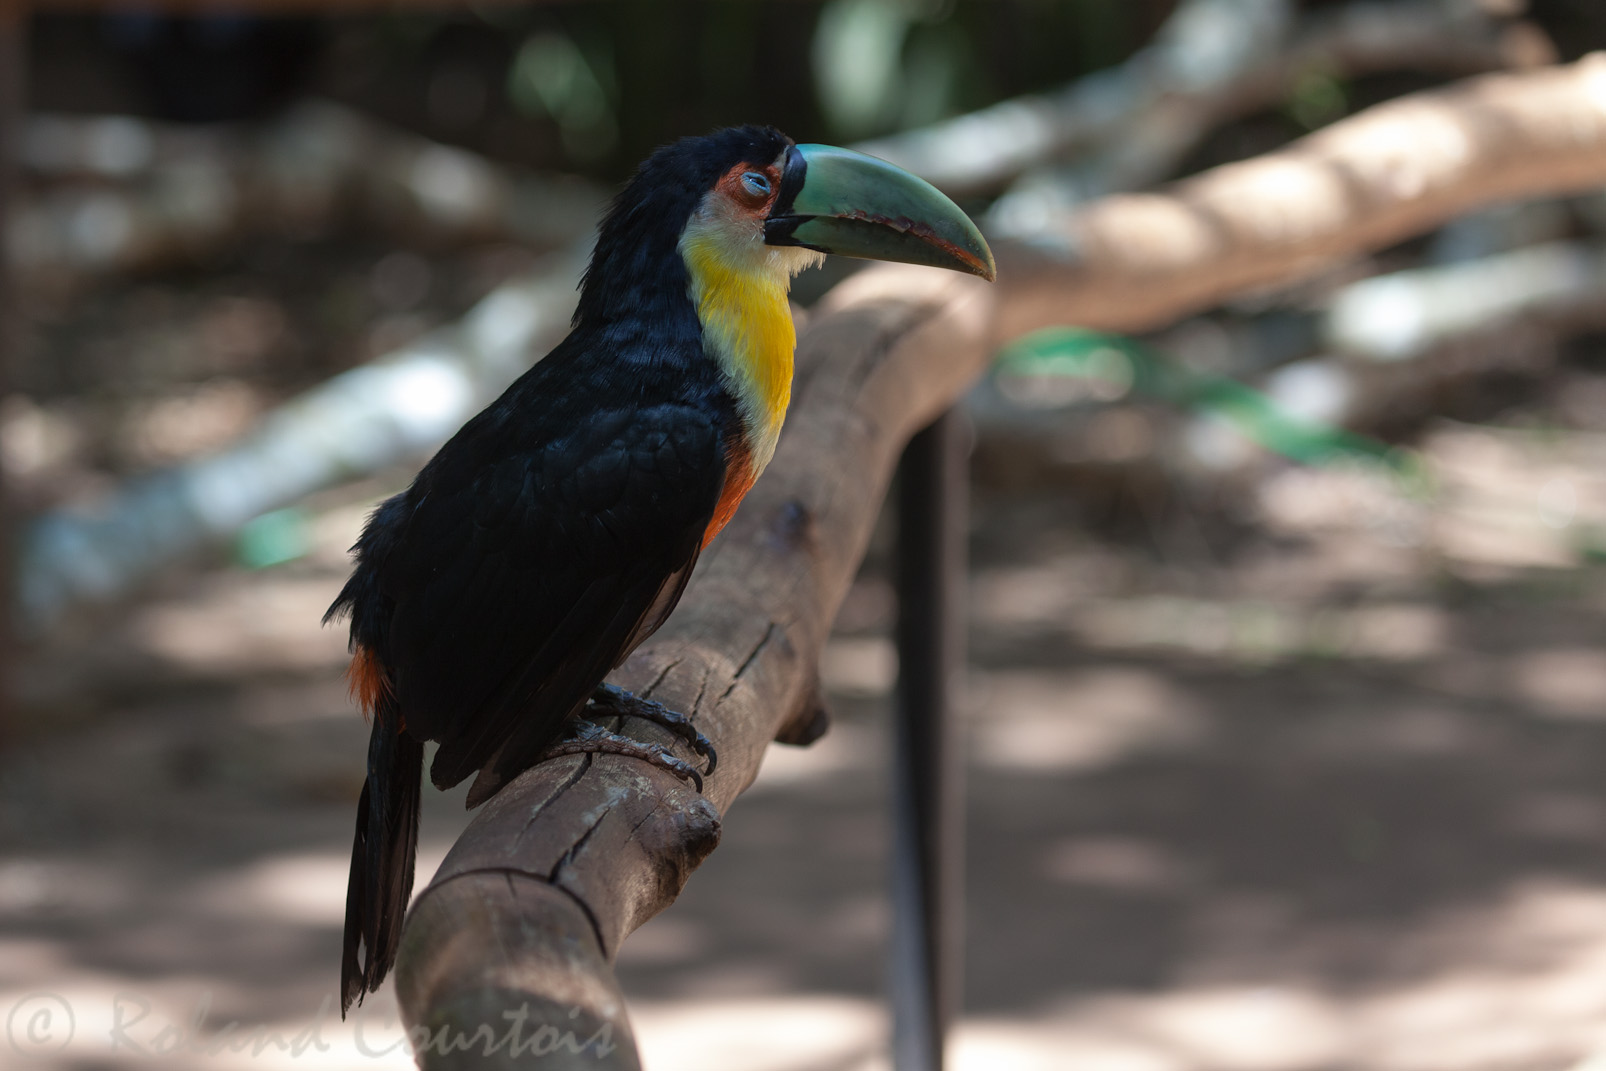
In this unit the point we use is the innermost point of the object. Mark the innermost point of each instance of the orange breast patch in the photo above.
(739, 479)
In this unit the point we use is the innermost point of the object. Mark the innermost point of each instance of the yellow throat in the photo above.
(739, 290)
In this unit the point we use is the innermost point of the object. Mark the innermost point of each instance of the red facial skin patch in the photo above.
(732, 188)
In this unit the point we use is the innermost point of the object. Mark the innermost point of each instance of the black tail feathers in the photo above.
(382, 857)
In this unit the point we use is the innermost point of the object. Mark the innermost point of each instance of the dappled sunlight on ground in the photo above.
(800, 1033)
(1328, 795)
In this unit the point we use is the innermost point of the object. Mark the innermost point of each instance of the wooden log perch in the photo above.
(507, 953)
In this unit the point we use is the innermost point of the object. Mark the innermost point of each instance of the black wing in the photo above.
(519, 578)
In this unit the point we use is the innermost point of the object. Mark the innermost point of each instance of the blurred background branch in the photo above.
(1135, 261)
(1307, 67)
(147, 195)
(1132, 124)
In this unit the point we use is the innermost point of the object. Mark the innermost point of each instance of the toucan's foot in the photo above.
(608, 699)
(588, 739)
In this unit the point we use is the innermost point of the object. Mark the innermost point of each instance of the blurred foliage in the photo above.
(1115, 366)
(886, 64)
(274, 538)
(1317, 100)
(552, 76)
(591, 86)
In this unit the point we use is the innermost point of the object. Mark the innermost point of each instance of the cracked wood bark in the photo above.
(512, 941)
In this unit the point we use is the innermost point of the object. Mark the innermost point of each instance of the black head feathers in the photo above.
(635, 265)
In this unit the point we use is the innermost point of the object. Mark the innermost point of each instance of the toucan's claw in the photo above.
(589, 739)
(610, 699)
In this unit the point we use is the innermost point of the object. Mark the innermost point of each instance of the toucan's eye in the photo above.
(756, 184)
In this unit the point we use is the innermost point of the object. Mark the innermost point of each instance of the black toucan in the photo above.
(558, 528)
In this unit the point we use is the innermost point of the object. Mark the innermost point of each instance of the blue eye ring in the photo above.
(755, 184)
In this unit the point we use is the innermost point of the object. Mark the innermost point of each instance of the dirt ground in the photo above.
(1323, 794)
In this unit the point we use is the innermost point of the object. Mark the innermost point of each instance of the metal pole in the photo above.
(13, 57)
(928, 840)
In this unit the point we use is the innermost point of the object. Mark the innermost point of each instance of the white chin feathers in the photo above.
(735, 237)
(792, 259)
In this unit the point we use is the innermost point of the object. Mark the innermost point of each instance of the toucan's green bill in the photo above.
(844, 202)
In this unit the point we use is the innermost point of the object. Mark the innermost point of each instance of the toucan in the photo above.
(558, 528)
